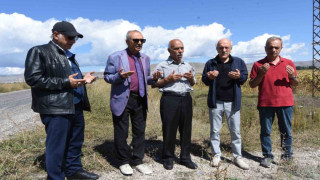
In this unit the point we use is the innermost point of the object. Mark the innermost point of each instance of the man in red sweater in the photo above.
(275, 77)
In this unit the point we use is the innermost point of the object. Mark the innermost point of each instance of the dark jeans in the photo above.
(284, 115)
(176, 111)
(137, 111)
(65, 135)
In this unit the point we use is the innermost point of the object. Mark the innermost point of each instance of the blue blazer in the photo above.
(236, 64)
(120, 88)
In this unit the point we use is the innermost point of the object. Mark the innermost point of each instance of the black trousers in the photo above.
(176, 111)
(137, 111)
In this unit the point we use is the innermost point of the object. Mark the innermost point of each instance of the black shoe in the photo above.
(83, 175)
(286, 158)
(190, 164)
(168, 165)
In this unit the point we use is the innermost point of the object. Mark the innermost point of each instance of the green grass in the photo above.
(21, 157)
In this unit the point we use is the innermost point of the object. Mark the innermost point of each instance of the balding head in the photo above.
(224, 40)
(173, 41)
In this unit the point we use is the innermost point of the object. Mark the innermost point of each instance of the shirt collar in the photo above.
(217, 59)
(265, 60)
(132, 55)
(66, 52)
(171, 61)
(229, 61)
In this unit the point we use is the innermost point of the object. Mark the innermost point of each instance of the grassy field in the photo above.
(22, 157)
(8, 87)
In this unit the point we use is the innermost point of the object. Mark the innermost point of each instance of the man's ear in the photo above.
(56, 35)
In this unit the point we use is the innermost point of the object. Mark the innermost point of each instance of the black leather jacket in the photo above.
(47, 71)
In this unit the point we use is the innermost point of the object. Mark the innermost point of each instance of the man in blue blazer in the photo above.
(128, 72)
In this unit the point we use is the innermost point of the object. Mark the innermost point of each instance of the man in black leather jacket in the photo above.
(59, 95)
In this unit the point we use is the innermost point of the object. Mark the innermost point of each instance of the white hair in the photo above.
(272, 38)
(59, 36)
(128, 33)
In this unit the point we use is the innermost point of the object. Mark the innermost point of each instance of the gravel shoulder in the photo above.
(16, 114)
(306, 165)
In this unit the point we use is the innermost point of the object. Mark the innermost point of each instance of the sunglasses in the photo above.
(71, 38)
(137, 40)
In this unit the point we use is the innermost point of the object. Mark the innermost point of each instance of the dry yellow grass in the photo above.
(22, 156)
(8, 87)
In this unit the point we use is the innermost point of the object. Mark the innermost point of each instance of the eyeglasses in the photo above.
(221, 48)
(137, 40)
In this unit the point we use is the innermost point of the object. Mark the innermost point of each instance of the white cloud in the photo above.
(293, 48)
(198, 40)
(11, 70)
(253, 49)
(305, 53)
(105, 37)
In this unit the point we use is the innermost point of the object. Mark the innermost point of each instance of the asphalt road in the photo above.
(16, 114)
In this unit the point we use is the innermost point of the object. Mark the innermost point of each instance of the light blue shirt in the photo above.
(180, 86)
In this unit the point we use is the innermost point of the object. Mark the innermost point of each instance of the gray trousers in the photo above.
(233, 120)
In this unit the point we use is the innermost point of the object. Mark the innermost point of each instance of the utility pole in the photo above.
(316, 48)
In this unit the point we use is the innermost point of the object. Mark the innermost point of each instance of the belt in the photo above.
(176, 93)
(134, 94)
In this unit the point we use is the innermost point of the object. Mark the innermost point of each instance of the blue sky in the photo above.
(199, 24)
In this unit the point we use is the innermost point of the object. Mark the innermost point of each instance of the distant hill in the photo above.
(297, 63)
(198, 67)
(11, 78)
(303, 63)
